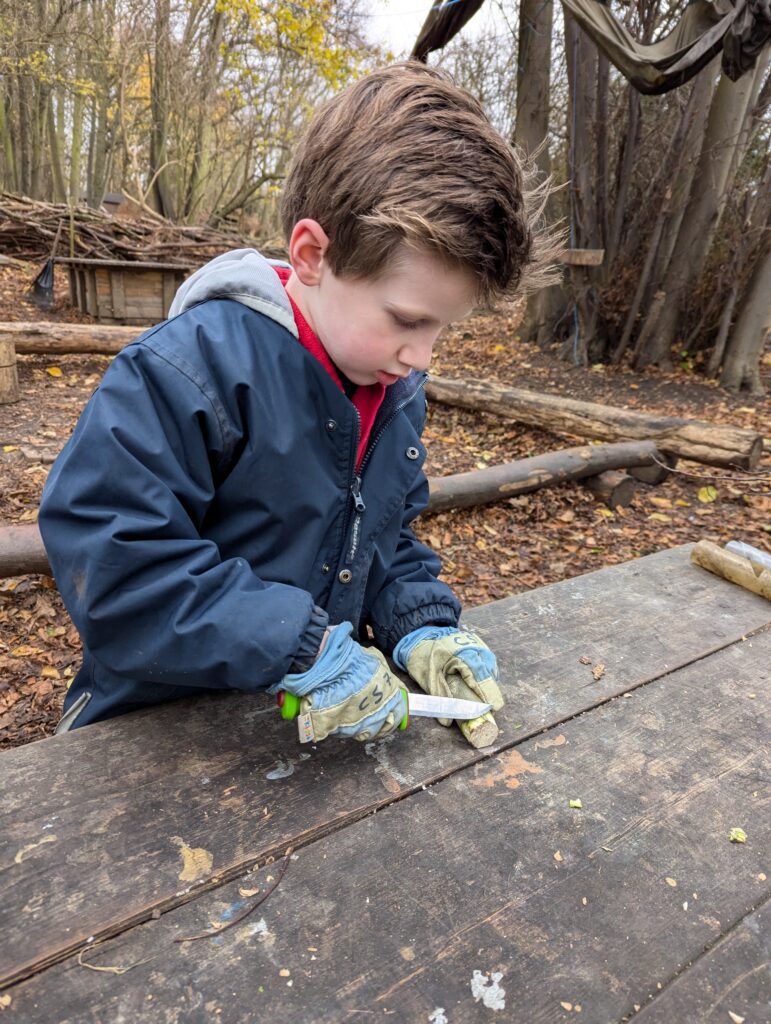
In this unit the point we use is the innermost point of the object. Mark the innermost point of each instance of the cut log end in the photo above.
(480, 732)
(655, 474)
(9, 380)
(615, 487)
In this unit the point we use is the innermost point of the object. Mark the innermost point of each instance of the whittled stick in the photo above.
(733, 568)
(480, 732)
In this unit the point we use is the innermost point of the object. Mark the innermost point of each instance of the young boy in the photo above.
(233, 509)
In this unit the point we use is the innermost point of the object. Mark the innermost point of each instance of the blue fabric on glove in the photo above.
(480, 660)
(349, 691)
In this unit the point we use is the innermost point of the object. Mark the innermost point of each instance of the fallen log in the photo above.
(710, 443)
(483, 486)
(46, 338)
(615, 487)
(22, 551)
(658, 472)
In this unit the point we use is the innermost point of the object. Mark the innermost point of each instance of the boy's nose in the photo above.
(417, 354)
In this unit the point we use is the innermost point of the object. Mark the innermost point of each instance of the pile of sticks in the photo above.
(28, 230)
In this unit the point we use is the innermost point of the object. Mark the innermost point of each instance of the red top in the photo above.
(367, 398)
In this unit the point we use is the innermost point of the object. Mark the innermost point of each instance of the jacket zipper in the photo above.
(358, 503)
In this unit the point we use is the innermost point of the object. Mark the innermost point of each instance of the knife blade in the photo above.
(422, 705)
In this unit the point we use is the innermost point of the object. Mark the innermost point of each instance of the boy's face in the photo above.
(379, 330)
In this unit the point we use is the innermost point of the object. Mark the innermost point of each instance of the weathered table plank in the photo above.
(131, 815)
(733, 976)
(486, 894)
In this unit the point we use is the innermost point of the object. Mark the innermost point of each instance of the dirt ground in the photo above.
(489, 553)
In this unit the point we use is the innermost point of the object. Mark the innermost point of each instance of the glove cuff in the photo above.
(408, 643)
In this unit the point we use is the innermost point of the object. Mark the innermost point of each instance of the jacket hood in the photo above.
(243, 275)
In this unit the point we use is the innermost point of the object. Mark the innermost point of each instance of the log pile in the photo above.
(28, 230)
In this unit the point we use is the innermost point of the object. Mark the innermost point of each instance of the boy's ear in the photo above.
(307, 246)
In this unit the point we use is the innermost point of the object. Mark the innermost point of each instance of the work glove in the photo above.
(449, 662)
(348, 691)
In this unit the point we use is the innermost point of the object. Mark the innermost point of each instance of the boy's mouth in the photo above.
(386, 378)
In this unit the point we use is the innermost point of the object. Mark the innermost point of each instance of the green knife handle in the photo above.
(289, 703)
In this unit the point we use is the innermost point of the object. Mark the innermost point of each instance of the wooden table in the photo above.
(431, 882)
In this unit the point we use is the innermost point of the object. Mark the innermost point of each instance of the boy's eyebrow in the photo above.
(408, 315)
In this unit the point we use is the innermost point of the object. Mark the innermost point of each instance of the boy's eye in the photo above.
(408, 325)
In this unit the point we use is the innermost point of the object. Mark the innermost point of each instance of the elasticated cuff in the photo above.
(310, 641)
(402, 625)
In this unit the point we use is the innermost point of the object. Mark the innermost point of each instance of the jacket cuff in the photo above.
(308, 648)
(402, 625)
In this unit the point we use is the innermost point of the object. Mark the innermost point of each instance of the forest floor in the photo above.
(488, 553)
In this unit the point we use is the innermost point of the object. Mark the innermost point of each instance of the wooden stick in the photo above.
(480, 732)
(733, 568)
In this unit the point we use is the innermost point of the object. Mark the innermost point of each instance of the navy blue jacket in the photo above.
(205, 510)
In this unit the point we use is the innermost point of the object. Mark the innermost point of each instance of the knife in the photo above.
(420, 705)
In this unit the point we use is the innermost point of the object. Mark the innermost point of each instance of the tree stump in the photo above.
(9, 380)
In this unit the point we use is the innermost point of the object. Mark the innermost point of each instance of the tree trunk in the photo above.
(531, 132)
(60, 190)
(740, 366)
(159, 101)
(726, 116)
(483, 486)
(710, 443)
(585, 345)
(682, 153)
(199, 174)
(10, 180)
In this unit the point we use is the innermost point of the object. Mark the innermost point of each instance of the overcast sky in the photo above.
(396, 23)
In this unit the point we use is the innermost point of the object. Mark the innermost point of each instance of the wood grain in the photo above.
(130, 801)
(489, 871)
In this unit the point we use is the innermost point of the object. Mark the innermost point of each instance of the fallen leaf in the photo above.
(585, 659)
(53, 371)
(660, 517)
(598, 671)
(5, 1002)
(558, 855)
(575, 803)
(10, 448)
(707, 494)
(248, 892)
(672, 882)
(25, 652)
(49, 672)
(737, 835)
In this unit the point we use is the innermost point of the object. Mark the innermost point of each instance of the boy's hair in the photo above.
(405, 156)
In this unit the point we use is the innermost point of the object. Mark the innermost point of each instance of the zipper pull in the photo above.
(358, 503)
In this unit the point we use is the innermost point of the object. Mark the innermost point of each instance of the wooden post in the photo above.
(9, 380)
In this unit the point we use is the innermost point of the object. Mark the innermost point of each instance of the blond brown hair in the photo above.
(405, 156)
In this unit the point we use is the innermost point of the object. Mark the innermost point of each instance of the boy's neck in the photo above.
(297, 290)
